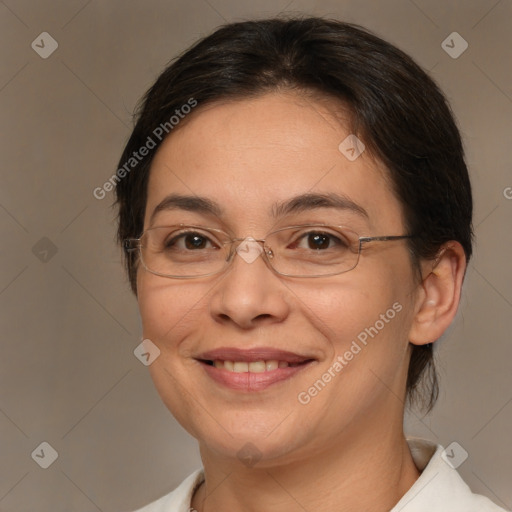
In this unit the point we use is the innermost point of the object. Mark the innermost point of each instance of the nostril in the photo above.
(263, 316)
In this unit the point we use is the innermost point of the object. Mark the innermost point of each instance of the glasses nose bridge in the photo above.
(235, 243)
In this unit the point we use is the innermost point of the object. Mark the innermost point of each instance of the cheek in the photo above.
(365, 319)
(347, 306)
(364, 315)
(166, 308)
(169, 313)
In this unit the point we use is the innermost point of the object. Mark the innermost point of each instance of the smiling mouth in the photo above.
(261, 366)
(252, 369)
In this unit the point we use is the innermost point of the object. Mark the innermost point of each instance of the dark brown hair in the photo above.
(396, 108)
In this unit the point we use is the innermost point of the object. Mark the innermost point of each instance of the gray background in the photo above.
(68, 375)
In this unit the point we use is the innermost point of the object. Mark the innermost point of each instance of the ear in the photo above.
(439, 294)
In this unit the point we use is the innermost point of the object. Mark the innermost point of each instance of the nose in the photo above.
(249, 294)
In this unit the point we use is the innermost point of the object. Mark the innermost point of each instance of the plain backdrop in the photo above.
(68, 375)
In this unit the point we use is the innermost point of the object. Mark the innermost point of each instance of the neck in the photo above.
(357, 472)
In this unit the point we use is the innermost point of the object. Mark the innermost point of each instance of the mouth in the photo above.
(252, 370)
(252, 366)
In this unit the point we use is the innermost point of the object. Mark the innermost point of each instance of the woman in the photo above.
(296, 213)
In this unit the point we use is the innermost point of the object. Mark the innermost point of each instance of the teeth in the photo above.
(240, 367)
(272, 365)
(252, 367)
(257, 366)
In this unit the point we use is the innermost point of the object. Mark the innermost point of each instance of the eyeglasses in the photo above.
(309, 250)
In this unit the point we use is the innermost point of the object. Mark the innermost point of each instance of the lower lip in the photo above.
(248, 381)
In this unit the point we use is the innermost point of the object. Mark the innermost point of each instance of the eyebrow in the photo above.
(188, 203)
(297, 204)
(312, 201)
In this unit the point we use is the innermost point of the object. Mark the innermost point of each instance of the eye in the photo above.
(190, 241)
(319, 241)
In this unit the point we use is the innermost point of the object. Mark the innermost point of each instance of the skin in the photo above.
(247, 155)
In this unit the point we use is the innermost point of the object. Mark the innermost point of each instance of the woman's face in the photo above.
(349, 332)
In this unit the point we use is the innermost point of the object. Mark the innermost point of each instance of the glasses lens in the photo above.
(308, 251)
(183, 251)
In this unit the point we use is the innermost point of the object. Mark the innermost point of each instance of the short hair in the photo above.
(395, 108)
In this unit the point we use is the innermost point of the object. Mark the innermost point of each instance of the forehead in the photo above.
(251, 153)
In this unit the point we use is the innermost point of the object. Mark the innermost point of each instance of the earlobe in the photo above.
(439, 294)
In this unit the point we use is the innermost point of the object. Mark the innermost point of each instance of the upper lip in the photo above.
(254, 354)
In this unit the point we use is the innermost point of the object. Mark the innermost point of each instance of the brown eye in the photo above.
(195, 241)
(189, 241)
(318, 241)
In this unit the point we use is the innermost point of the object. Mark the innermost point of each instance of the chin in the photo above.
(250, 450)
(255, 438)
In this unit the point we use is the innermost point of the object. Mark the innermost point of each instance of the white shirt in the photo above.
(438, 489)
